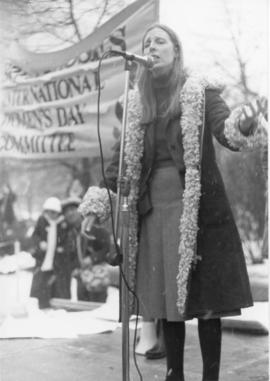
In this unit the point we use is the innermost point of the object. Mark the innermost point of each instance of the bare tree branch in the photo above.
(102, 13)
(226, 70)
(73, 20)
(243, 81)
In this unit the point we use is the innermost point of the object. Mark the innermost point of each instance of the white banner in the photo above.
(54, 115)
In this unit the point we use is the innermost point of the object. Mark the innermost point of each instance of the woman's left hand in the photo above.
(250, 114)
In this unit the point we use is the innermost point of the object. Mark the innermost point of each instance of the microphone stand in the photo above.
(122, 213)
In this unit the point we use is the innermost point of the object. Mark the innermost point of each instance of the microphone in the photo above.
(146, 61)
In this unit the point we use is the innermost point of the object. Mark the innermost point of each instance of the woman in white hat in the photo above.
(48, 239)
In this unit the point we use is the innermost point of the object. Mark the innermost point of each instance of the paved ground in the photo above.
(98, 358)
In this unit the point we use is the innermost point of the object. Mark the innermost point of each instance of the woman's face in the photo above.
(158, 45)
(52, 215)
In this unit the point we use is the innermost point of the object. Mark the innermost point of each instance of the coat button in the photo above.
(173, 147)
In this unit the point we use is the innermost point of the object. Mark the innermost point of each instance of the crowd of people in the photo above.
(63, 253)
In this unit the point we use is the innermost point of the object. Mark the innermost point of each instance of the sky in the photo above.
(203, 29)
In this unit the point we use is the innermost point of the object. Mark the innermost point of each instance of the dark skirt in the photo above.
(49, 284)
(42, 287)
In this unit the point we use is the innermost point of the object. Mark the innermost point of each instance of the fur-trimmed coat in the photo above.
(212, 272)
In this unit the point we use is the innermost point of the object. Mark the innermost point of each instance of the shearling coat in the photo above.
(219, 282)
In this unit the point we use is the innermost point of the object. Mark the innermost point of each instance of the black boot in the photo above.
(172, 376)
(174, 339)
(210, 342)
(156, 353)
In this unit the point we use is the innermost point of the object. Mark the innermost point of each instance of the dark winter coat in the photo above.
(219, 282)
(55, 283)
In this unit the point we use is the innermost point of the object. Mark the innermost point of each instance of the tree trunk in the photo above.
(85, 173)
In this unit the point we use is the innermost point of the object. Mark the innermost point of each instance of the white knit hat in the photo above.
(52, 203)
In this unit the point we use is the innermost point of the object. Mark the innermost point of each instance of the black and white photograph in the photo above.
(134, 190)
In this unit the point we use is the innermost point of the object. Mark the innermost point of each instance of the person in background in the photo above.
(94, 274)
(73, 221)
(86, 254)
(48, 241)
(7, 220)
(185, 254)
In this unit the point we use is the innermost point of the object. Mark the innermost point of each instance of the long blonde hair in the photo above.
(175, 82)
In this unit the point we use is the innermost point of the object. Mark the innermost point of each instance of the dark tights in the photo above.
(210, 342)
(174, 339)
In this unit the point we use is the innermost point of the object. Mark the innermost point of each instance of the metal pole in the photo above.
(122, 145)
(124, 292)
(123, 208)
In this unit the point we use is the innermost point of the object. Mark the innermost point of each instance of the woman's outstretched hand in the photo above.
(250, 114)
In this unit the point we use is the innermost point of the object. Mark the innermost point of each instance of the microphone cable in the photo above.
(112, 217)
